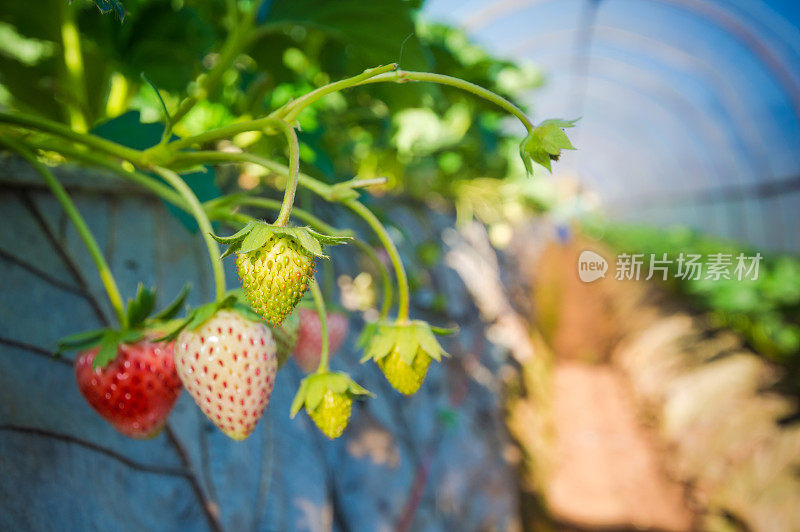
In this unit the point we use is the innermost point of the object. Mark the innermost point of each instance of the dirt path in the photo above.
(605, 470)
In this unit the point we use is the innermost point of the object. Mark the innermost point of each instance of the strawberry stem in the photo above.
(80, 225)
(86, 139)
(401, 76)
(283, 114)
(381, 74)
(399, 271)
(203, 222)
(319, 302)
(317, 187)
(294, 172)
(289, 111)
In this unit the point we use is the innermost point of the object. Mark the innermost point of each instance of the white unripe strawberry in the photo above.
(228, 365)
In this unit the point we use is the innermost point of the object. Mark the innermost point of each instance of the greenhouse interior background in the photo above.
(543, 256)
(689, 109)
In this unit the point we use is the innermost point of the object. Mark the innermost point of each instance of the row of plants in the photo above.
(267, 106)
(763, 308)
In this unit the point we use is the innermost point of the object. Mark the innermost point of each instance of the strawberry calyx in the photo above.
(544, 143)
(408, 338)
(255, 234)
(141, 323)
(403, 350)
(276, 264)
(197, 316)
(327, 398)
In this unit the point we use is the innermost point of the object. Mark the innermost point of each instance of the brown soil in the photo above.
(605, 470)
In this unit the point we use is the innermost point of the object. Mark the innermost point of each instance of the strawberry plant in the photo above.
(227, 352)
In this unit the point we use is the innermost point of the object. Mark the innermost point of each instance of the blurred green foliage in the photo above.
(766, 311)
(426, 139)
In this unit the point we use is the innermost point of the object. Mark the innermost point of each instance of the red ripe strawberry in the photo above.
(136, 391)
(228, 364)
(309, 338)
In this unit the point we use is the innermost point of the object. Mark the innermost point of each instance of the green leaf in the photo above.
(376, 42)
(128, 129)
(106, 6)
(174, 307)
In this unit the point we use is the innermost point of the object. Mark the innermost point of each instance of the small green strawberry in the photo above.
(328, 399)
(276, 264)
(405, 378)
(403, 351)
(275, 276)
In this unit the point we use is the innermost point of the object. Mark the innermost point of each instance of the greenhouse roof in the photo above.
(690, 109)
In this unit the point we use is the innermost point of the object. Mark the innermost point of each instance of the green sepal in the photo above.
(233, 300)
(171, 310)
(109, 345)
(79, 341)
(140, 306)
(236, 237)
(143, 303)
(137, 311)
(380, 339)
(107, 339)
(444, 331)
(313, 388)
(106, 6)
(255, 234)
(545, 142)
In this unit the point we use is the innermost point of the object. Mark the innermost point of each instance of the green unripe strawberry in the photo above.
(403, 350)
(328, 399)
(275, 276)
(276, 264)
(332, 414)
(405, 378)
